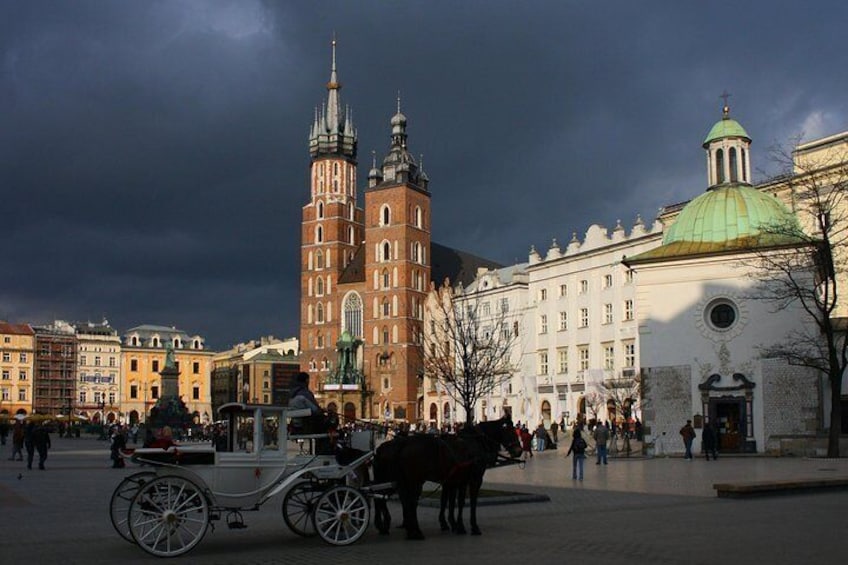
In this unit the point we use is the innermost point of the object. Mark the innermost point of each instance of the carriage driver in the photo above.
(302, 397)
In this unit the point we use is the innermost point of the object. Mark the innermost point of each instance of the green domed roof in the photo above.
(725, 219)
(726, 127)
(729, 213)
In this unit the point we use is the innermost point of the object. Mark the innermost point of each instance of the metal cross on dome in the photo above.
(724, 96)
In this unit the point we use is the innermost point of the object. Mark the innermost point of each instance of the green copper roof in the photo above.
(726, 127)
(727, 219)
(728, 213)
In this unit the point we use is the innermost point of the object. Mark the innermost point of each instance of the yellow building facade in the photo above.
(143, 358)
(17, 358)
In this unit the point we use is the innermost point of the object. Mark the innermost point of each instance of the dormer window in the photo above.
(154, 342)
(196, 344)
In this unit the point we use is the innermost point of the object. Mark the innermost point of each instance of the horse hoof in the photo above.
(414, 536)
(445, 528)
(459, 531)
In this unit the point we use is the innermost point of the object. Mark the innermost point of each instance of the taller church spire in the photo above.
(332, 131)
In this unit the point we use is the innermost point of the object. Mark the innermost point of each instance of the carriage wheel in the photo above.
(168, 516)
(119, 505)
(341, 515)
(299, 505)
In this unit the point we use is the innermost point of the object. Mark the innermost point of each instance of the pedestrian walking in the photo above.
(4, 431)
(709, 441)
(540, 437)
(41, 442)
(17, 441)
(687, 432)
(578, 449)
(28, 443)
(555, 431)
(601, 435)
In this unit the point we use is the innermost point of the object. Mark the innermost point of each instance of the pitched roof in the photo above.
(16, 329)
(458, 266)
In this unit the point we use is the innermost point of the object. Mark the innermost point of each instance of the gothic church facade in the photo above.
(367, 262)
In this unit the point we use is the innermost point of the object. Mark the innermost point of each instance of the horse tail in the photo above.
(382, 466)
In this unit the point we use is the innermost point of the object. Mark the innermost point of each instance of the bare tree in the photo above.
(806, 265)
(624, 394)
(593, 401)
(468, 347)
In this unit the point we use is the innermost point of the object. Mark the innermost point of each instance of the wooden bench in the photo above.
(787, 486)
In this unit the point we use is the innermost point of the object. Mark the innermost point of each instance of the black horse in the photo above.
(456, 462)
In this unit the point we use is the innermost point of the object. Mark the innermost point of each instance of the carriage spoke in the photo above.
(168, 516)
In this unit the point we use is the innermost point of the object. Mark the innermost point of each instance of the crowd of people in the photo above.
(30, 435)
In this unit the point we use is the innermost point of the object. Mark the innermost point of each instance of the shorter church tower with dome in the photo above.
(703, 321)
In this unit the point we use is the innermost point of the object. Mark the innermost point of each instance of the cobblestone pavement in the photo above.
(633, 511)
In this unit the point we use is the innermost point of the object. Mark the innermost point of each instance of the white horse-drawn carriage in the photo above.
(167, 509)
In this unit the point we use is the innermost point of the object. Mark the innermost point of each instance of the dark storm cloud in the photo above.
(153, 156)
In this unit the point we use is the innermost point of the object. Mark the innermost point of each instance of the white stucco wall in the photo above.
(677, 338)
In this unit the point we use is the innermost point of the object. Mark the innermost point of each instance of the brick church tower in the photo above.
(397, 275)
(363, 271)
(332, 228)
(366, 271)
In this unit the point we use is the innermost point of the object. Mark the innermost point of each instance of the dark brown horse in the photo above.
(456, 462)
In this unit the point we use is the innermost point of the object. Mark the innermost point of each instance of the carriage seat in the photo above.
(175, 455)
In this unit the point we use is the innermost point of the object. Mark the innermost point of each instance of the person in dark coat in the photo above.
(41, 442)
(709, 441)
(578, 448)
(29, 429)
(301, 397)
(118, 442)
(17, 441)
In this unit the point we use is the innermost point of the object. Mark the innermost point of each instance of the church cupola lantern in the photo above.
(728, 151)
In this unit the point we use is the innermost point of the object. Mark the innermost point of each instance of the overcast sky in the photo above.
(153, 155)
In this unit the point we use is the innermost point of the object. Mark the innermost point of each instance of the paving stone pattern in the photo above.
(657, 511)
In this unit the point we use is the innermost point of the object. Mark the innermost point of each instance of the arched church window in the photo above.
(319, 313)
(352, 319)
(319, 234)
(385, 215)
(744, 166)
(320, 209)
(350, 237)
(719, 166)
(387, 251)
(319, 260)
(418, 222)
(385, 278)
(319, 286)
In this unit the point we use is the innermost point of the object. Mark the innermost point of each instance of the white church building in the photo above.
(674, 305)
